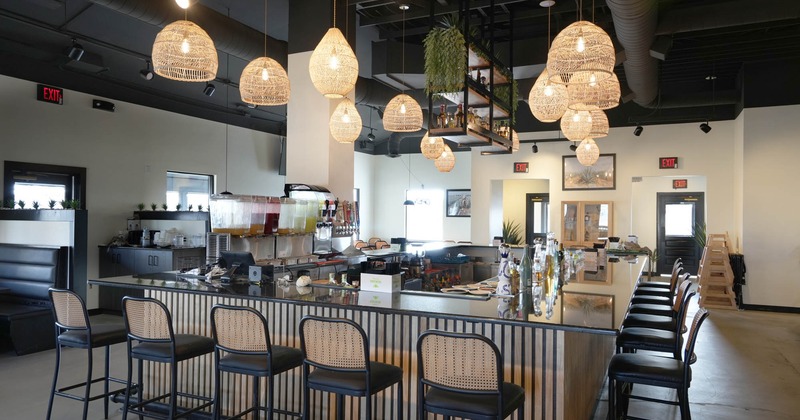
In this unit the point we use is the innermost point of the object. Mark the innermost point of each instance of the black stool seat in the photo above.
(649, 321)
(647, 369)
(659, 284)
(648, 339)
(102, 335)
(485, 405)
(651, 309)
(187, 346)
(651, 299)
(283, 359)
(652, 291)
(354, 383)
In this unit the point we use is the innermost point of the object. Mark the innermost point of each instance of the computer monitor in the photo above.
(239, 261)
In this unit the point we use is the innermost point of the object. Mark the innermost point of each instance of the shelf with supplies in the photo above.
(473, 136)
(588, 224)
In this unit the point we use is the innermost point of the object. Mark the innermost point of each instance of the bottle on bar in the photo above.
(442, 119)
(460, 116)
(526, 270)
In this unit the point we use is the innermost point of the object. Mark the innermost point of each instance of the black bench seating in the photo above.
(28, 272)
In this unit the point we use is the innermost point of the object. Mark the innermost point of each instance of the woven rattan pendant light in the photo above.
(345, 123)
(446, 161)
(576, 125)
(590, 95)
(581, 47)
(587, 152)
(402, 114)
(264, 81)
(431, 147)
(333, 66)
(547, 100)
(599, 124)
(183, 51)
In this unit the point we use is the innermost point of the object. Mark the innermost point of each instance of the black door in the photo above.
(679, 216)
(537, 217)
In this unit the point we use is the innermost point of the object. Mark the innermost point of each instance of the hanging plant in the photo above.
(510, 95)
(445, 52)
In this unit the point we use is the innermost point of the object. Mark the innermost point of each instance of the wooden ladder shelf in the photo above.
(715, 274)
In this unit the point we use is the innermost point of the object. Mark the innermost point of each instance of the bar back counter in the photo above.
(560, 366)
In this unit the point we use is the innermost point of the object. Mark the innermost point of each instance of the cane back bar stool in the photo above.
(627, 369)
(461, 375)
(74, 329)
(243, 346)
(338, 351)
(149, 324)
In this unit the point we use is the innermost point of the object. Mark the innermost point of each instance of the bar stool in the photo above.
(461, 375)
(627, 369)
(243, 346)
(338, 350)
(74, 329)
(666, 297)
(148, 322)
(661, 322)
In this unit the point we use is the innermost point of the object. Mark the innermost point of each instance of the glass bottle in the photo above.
(451, 122)
(442, 119)
(460, 116)
(526, 270)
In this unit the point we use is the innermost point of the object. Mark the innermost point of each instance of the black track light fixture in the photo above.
(147, 73)
(75, 52)
(705, 127)
(638, 130)
(370, 136)
(209, 89)
(573, 146)
(535, 148)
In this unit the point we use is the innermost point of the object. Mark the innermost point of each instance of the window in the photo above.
(36, 182)
(188, 190)
(425, 218)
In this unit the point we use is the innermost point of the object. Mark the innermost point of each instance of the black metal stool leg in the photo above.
(88, 386)
(127, 402)
(141, 384)
(270, 396)
(257, 398)
(55, 378)
(173, 389)
(105, 385)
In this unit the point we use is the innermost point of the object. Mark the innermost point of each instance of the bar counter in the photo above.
(561, 367)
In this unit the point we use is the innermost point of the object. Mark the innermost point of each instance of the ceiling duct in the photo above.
(635, 26)
(230, 36)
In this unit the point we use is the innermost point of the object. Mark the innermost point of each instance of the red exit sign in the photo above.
(680, 183)
(50, 94)
(521, 167)
(668, 163)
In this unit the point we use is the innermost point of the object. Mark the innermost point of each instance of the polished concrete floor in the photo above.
(748, 368)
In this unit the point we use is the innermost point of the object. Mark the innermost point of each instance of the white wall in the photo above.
(390, 182)
(514, 199)
(771, 231)
(128, 152)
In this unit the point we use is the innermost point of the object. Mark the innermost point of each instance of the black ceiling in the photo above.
(718, 55)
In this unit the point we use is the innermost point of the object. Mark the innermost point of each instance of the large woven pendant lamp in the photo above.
(333, 66)
(183, 51)
(264, 81)
(581, 47)
(431, 147)
(585, 96)
(402, 114)
(446, 161)
(587, 152)
(599, 124)
(345, 123)
(576, 125)
(547, 100)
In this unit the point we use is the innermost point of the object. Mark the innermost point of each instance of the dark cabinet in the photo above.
(124, 261)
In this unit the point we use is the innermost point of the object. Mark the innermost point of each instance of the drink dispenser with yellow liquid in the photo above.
(230, 214)
(286, 219)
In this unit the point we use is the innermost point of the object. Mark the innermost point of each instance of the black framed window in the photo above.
(189, 189)
(41, 182)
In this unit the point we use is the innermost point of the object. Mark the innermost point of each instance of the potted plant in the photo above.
(445, 57)
(140, 206)
(51, 204)
(178, 207)
(153, 206)
(36, 205)
(164, 207)
(512, 232)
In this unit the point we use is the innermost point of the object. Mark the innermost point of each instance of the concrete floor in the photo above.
(748, 368)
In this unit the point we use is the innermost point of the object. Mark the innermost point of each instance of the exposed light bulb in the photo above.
(581, 44)
(185, 46)
(333, 61)
(593, 80)
(345, 117)
(431, 140)
(576, 117)
(587, 146)
(264, 74)
(183, 4)
(548, 90)
(403, 108)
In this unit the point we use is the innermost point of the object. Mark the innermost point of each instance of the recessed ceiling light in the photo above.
(711, 77)
(404, 6)
(547, 3)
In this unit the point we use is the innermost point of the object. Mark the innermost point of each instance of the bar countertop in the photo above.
(421, 303)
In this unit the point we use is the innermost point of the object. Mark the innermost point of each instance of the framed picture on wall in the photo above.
(600, 176)
(587, 310)
(458, 203)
